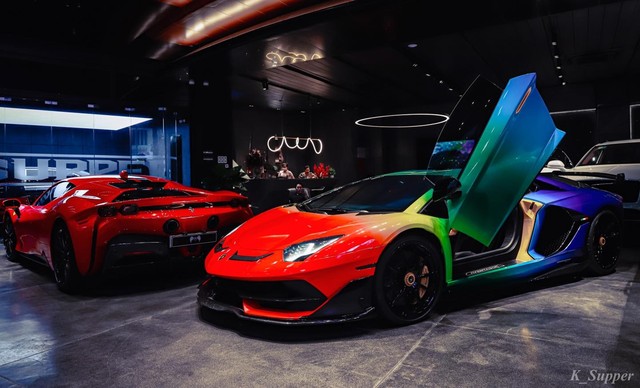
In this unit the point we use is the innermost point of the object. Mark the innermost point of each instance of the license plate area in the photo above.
(185, 240)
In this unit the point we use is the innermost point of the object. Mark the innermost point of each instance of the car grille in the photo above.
(556, 231)
(293, 295)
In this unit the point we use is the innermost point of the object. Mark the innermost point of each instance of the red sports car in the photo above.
(85, 225)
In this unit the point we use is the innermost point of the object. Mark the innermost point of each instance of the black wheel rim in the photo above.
(62, 255)
(410, 282)
(606, 241)
(10, 239)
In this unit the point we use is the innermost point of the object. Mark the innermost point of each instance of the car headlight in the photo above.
(301, 251)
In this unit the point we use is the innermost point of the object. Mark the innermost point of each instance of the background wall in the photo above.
(587, 113)
(252, 129)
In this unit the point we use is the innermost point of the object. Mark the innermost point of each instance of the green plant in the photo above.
(222, 178)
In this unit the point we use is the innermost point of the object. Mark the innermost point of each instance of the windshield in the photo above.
(382, 194)
(612, 154)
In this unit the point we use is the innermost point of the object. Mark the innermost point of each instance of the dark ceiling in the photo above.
(296, 55)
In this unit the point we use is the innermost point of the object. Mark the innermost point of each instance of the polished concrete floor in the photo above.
(146, 331)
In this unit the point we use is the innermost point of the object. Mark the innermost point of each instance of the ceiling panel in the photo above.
(352, 54)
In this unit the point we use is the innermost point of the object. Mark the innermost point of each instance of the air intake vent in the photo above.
(557, 229)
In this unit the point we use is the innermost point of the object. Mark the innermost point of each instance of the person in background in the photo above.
(299, 194)
(307, 174)
(285, 173)
(262, 173)
(279, 156)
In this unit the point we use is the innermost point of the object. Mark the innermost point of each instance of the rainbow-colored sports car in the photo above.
(391, 244)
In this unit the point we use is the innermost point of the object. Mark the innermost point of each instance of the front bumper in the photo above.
(307, 305)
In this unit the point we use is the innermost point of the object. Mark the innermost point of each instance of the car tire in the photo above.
(603, 243)
(63, 257)
(408, 281)
(9, 239)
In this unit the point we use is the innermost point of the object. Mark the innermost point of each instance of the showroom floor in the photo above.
(146, 331)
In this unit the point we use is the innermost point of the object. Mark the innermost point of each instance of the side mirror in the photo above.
(555, 165)
(446, 188)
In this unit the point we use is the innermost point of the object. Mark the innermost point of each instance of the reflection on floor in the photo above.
(145, 330)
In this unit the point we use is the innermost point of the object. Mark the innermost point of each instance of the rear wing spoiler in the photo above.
(615, 177)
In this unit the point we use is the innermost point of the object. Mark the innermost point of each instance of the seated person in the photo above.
(285, 173)
(262, 173)
(307, 174)
(298, 194)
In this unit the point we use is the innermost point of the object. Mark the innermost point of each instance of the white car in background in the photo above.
(611, 157)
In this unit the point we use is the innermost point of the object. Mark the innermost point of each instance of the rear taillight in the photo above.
(212, 222)
(107, 211)
(112, 211)
(128, 210)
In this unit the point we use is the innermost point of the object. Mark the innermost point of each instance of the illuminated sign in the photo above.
(48, 167)
(287, 58)
(296, 142)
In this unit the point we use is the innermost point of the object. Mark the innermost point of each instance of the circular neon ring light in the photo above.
(443, 118)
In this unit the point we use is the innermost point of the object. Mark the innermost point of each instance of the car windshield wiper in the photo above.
(374, 211)
(303, 206)
(334, 210)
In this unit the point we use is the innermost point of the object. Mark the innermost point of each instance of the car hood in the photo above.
(281, 227)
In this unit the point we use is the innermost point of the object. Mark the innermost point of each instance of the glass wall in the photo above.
(634, 112)
(33, 155)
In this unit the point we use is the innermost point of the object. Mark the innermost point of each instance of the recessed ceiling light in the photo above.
(49, 118)
(554, 43)
(427, 74)
(415, 65)
(556, 56)
(563, 83)
(559, 75)
(558, 67)
(412, 45)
